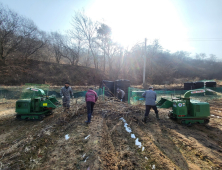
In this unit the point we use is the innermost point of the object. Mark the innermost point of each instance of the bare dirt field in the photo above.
(115, 139)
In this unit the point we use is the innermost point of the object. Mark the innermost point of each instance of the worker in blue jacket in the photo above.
(150, 96)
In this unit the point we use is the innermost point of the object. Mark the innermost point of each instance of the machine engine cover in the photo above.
(179, 108)
(23, 106)
(200, 109)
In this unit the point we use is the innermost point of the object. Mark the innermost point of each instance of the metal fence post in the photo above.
(103, 93)
(128, 95)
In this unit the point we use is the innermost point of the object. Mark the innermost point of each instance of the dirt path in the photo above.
(115, 139)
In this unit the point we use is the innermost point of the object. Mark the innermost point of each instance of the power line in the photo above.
(193, 39)
(203, 39)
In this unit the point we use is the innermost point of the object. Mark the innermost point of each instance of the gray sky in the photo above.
(202, 18)
(189, 25)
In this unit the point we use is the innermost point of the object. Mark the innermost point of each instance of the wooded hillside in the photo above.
(89, 44)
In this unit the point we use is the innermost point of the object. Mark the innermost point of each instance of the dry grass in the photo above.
(105, 143)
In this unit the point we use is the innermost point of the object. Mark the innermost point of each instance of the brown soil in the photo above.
(105, 143)
(17, 72)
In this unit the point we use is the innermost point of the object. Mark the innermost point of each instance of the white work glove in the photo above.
(121, 100)
(62, 97)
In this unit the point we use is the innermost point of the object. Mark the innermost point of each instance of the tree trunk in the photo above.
(94, 57)
(77, 58)
(110, 69)
(2, 59)
(104, 61)
(104, 57)
(58, 59)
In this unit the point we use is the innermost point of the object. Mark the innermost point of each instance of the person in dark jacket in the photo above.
(150, 96)
(90, 98)
(121, 94)
(65, 93)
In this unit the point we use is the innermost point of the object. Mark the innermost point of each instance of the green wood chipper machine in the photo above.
(185, 110)
(37, 106)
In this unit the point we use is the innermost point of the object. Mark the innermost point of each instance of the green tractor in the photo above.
(187, 111)
(37, 106)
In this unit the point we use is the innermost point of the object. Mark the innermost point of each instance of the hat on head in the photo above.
(91, 88)
(117, 89)
(67, 83)
(151, 87)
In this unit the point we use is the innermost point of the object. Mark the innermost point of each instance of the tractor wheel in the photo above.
(189, 124)
(170, 115)
(183, 122)
(40, 117)
(206, 121)
(18, 117)
(49, 113)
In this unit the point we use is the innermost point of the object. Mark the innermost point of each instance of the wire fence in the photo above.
(135, 94)
(12, 93)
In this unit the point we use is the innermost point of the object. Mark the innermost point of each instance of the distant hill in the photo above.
(17, 72)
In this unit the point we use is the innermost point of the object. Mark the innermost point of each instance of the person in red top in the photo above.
(90, 98)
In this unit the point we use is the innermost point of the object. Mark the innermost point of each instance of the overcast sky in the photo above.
(189, 25)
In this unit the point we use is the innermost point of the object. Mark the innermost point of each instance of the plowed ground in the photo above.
(105, 143)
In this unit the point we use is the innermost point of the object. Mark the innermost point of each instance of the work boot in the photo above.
(89, 119)
(157, 117)
(87, 122)
(145, 119)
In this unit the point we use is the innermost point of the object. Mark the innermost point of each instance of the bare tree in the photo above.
(152, 52)
(203, 56)
(85, 59)
(213, 58)
(10, 37)
(115, 61)
(200, 56)
(85, 29)
(18, 34)
(114, 51)
(76, 37)
(70, 51)
(104, 35)
(57, 42)
(33, 39)
(181, 55)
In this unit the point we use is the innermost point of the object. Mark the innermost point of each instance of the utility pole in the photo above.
(144, 67)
